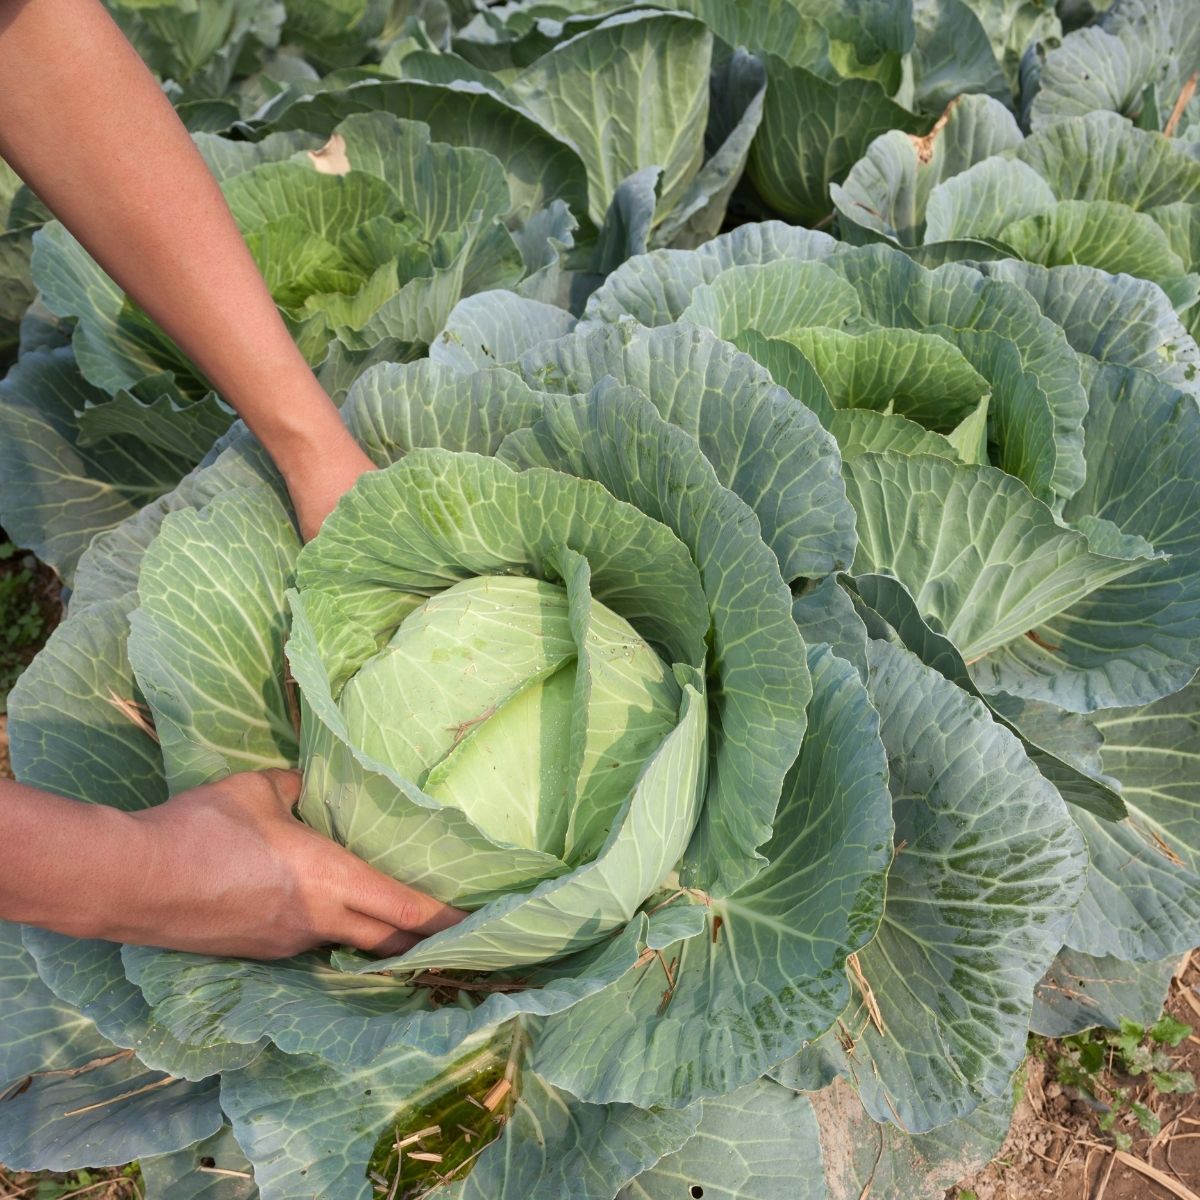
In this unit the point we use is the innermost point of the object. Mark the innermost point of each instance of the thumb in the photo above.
(377, 895)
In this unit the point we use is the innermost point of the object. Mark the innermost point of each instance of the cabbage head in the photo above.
(514, 724)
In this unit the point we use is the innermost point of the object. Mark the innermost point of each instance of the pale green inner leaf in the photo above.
(920, 375)
(474, 698)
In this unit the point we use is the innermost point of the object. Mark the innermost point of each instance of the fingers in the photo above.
(376, 895)
(374, 937)
(380, 914)
(399, 943)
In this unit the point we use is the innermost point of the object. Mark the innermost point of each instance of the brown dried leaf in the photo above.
(331, 159)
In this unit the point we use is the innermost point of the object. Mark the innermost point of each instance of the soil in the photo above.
(1055, 1148)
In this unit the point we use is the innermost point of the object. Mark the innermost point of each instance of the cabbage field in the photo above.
(776, 618)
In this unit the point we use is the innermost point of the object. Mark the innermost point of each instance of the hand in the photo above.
(227, 869)
(317, 476)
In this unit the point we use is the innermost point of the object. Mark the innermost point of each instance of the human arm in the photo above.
(220, 869)
(85, 124)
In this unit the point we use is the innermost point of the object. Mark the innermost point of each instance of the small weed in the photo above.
(22, 622)
(1136, 1055)
(114, 1183)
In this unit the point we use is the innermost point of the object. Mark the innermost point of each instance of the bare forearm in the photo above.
(66, 865)
(84, 122)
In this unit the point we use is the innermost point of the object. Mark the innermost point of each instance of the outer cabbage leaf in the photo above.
(952, 55)
(60, 1077)
(748, 1146)
(307, 1124)
(217, 577)
(188, 1174)
(200, 51)
(1080, 991)
(42, 1033)
(1134, 61)
(108, 568)
(310, 1006)
(1063, 746)
(540, 166)
(812, 132)
(629, 94)
(116, 344)
(70, 727)
(764, 976)
(985, 199)
(1143, 891)
(737, 91)
(762, 445)
(88, 974)
(825, 614)
(495, 328)
(1112, 318)
(765, 1142)
(987, 869)
(1111, 237)
(58, 487)
(1037, 401)
(801, 31)
(1134, 639)
(1101, 157)
(656, 288)
(984, 560)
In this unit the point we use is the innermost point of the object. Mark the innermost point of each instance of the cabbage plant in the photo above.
(578, 659)
(785, 653)
(839, 75)
(216, 61)
(368, 235)
(633, 118)
(1090, 189)
(1135, 58)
